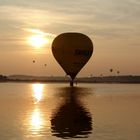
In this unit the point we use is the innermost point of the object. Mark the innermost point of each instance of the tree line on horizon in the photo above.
(3, 77)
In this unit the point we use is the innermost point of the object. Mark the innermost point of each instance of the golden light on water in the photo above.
(36, 119)
(37, 92)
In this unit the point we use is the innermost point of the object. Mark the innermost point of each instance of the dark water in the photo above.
(57, 111)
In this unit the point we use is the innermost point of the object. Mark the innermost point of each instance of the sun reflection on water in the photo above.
(36, 120)
(37, 92)
(36, 116)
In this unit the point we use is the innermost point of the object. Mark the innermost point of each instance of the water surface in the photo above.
(35, 111)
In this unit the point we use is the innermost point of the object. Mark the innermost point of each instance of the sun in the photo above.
(38, 40)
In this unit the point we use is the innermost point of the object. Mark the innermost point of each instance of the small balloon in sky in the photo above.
(33, 61)
(111, 70)
(72, 51)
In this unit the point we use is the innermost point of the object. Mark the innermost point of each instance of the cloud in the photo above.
(105, 18)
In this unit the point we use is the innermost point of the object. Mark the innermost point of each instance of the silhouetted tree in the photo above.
(3, 78)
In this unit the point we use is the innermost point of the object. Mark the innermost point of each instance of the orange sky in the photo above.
(112, 25)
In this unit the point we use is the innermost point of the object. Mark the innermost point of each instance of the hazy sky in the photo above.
(113, 26)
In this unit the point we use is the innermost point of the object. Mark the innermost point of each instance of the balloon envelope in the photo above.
(72, 51)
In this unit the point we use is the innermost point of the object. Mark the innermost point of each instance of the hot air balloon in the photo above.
(111, 70)
(118, 72)
(72, 51)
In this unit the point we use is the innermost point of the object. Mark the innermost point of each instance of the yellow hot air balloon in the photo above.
(72, 51)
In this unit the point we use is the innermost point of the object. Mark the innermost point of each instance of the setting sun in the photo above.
(37, 40)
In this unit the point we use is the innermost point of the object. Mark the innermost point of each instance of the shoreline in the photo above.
(41, 79)
(78, 80)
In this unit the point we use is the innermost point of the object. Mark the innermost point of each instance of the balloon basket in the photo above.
(71, 83)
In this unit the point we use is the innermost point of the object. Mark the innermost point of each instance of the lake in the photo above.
(46, 111)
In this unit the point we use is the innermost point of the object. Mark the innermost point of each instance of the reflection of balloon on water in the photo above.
(71, 119)
(72, 51)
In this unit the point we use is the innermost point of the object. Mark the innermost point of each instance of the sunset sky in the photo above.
(112, 25)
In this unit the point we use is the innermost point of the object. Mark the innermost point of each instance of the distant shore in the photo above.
(53, 79)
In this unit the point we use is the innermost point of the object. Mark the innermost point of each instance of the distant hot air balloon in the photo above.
(118, 72)
(111, 70)
(45, 65)
(72, 51)
(33, 61)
